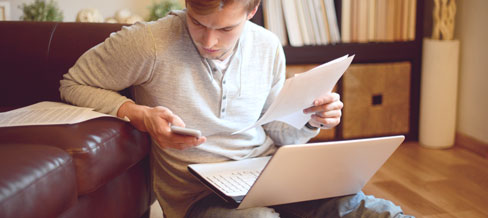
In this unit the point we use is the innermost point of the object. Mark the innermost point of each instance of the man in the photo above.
(207, 68)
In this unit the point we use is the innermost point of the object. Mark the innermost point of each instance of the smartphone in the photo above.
(186, 131)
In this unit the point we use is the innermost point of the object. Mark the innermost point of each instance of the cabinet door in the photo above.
(376, 100)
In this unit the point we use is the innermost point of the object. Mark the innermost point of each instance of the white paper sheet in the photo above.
(300, 91)
(48, 113)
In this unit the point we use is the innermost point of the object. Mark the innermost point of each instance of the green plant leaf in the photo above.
(160, 9)
(40, 10)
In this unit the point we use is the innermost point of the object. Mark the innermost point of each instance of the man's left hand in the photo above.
(326, 111)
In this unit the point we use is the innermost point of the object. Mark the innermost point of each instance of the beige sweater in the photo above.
(160, 62)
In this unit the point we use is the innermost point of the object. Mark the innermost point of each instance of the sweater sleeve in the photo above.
(282, 133)
(124, 59)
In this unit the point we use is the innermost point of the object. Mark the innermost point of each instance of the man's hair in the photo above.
(205, 7)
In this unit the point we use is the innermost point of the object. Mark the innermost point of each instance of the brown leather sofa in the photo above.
(99, 168)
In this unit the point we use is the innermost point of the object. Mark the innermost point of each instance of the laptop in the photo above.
(298, 173)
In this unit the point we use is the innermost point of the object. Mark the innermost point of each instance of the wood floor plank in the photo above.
(411, 198)
(434, 183)
(376, 191)
(444, 215)
(470, 214)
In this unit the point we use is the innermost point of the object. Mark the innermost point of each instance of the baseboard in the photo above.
(472, 144)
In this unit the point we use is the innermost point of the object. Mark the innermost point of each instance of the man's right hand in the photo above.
(156, 121)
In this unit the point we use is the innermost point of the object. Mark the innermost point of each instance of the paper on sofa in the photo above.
(48, 113)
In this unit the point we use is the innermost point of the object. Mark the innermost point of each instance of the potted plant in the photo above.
(160, 9)
(41, 10)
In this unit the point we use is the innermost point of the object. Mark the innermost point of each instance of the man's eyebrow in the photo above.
(196, 21)
(231, 26)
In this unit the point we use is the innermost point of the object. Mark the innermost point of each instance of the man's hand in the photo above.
(156, 121)
(327, 111)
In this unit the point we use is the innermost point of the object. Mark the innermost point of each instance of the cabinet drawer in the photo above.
(376, 99)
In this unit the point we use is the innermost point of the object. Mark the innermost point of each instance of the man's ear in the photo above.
(253, 12)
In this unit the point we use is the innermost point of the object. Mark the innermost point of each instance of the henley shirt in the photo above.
(160, 63)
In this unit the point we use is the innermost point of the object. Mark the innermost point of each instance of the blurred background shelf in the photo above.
(305, 57)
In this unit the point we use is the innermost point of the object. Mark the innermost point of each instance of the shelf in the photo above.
(365, 52)
(372, 52)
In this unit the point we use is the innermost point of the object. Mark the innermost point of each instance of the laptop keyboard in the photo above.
(236, 183)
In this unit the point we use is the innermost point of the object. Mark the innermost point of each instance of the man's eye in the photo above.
(227, 29)
(196, 23)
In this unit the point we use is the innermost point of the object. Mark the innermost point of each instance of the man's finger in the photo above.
(329, 114)
(329, 98)
(176, 120)
(182, 139)
(327, 123)
(169, 116)
(184, 145)
(337, 105)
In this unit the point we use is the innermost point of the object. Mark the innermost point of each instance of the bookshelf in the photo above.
(371, 52)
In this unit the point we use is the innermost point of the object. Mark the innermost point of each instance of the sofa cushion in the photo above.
(101, 149)
(35, 181)
(126, 196)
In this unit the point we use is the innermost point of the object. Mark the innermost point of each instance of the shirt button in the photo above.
(214, 69)
(225, 97)
(224, 82)
(223, 110)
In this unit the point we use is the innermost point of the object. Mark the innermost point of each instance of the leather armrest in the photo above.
(101, 148)
(35, 181)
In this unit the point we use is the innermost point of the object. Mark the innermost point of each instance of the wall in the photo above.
(473, 81)
(106, 7)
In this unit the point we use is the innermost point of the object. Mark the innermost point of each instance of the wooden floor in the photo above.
(429, 183)
(434, 183)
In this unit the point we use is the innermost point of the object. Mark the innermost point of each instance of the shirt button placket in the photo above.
(224, 99)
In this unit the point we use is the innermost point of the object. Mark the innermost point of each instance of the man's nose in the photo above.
(209, 38)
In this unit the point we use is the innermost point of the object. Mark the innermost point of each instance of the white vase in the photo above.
(438, 93)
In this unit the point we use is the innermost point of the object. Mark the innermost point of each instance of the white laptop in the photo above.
(298, 172)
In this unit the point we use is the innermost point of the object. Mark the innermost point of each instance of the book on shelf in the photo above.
(346, 21)
(319, 40)
(324, 19)
(412, 11)
(308, 21)
(302, 23)
(274, 21)
(314, 22)
(292, 23)
(390, 20)
(323, 26)
(378, 20)
(397, 32)
(371, 20)
(354, 21)
(404, 23)
(332, 19)
(311, 22)
(362, 21)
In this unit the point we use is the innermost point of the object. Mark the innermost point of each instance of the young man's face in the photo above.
(216, 34)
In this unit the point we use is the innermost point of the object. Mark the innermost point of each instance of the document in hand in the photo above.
(300, 91)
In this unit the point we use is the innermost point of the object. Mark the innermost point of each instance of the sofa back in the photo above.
(35, 55)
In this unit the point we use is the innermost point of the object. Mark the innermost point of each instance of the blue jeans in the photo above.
(357, 205)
